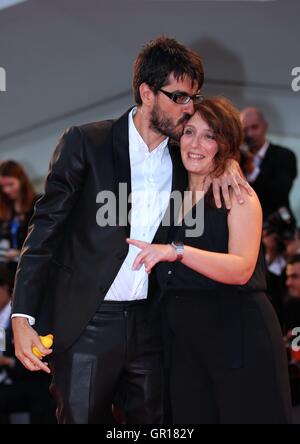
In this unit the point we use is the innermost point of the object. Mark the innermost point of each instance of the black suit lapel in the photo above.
(267, 160)
(180, 177)
(122, 168)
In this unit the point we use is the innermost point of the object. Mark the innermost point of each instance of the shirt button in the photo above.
(170, 272)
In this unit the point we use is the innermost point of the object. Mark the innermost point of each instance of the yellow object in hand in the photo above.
(47, 342)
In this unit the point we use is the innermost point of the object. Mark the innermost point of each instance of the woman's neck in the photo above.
(196, 182)
(196, 186)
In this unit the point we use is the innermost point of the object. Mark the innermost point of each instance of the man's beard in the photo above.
(164, 125)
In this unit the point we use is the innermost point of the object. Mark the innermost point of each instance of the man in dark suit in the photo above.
(78, 269)
(270, 169)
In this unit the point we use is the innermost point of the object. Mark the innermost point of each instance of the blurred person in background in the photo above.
(292, 308)
(17, 199)
(20, 390)
(271, 169)
(279, 233)
(291, 322)
(276, 266)
(293, 245)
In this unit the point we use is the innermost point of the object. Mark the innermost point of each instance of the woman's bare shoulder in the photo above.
(251, 203)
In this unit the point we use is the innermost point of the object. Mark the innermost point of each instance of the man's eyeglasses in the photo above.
(182, 98)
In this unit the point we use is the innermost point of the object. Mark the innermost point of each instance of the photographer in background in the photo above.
(270, 169)
(292, 307)
(293, 245)
(292, 321)
(17, 199)
(278, 230)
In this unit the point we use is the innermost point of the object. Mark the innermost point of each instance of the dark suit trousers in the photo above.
(118, 358)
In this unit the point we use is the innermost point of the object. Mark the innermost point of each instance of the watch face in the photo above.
(179, 247)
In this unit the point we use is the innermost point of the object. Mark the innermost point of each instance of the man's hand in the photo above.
(233, 177)
(25, 338)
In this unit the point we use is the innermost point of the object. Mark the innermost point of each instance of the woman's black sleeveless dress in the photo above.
(227, 360)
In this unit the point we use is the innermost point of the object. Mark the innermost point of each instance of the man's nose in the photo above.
(189, 108)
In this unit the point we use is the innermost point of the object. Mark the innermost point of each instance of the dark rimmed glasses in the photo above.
(182, 98)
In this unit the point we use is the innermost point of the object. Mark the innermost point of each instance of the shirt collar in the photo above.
(137, 143)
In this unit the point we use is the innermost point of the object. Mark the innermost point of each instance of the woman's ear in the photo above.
(146, 94)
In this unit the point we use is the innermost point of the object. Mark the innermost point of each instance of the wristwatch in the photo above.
(179, 248)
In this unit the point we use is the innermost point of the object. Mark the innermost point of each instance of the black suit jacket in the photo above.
(278, 171)
(68, 262)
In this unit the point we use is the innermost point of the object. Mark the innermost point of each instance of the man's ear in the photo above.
(146, 94)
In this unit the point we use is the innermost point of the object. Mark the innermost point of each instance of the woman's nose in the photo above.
(198, 141)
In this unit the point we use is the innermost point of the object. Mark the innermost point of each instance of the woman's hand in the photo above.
(151, 254)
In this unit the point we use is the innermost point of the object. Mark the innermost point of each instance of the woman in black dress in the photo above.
(227, 361)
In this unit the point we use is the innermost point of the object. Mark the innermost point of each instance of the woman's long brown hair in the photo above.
(10, 168)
